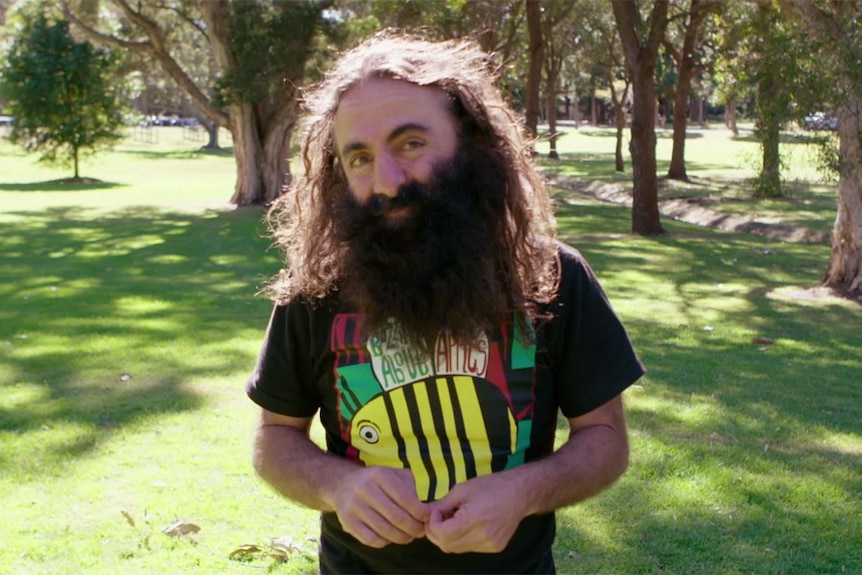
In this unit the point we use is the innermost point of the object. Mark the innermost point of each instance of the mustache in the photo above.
(408, 194)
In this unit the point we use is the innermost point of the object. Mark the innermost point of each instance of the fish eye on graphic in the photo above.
(369, 432)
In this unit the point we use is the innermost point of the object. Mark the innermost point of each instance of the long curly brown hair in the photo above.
(302, 219)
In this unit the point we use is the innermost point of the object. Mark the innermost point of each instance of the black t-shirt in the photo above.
(463, 412)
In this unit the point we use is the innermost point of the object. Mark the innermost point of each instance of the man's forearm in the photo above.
(591, 460)
(377, 505)
(296, 467)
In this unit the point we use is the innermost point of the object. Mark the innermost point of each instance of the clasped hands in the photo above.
(379, 506)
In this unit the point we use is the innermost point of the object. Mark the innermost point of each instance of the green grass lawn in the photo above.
(721, 168)
(130, 320)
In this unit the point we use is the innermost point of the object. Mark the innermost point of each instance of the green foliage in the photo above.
(58, 93)
(271, 43)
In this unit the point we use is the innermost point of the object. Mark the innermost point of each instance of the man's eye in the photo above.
(358, 161)
(412, 145)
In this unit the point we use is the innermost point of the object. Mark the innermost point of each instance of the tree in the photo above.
(495, 25)
(837, 28)
(559, 35)
(58, 94)
(687, 63)
(602, 48)
(261, 50)
(729, 70)
(641, 41)
(776, 71)
(534, 77)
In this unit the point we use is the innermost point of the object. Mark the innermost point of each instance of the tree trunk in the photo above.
(276, 150)
(686, 64)
(730, 117)
(620, 117)
(619, 161)
(769, 180)
(641, 54)
(769, 132)
(247, 148)
(680, 119)
(594, 110)
(645, 213)
(212, 135)
(844, 271)
(552, 122)
(534, 27)
(263, 169)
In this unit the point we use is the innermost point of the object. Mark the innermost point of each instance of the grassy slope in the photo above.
(129, 321)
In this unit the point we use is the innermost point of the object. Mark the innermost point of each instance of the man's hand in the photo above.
(479, 515)
(379, 506)
(483, 513)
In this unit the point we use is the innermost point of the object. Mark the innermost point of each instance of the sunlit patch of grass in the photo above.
(130, 321)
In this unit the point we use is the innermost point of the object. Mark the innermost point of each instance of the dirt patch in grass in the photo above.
(695, 210)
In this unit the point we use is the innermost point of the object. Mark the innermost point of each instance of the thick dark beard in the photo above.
(433, 269)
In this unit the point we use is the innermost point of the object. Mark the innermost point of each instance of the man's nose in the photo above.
(388, 175)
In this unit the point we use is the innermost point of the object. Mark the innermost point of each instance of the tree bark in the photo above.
(552, 126)
(640, 53)
(275, 163)
(620, 117)
(619, 161)
(769, 132)
(844, 271)
(730, 117)
(686, 64)
(534, 28)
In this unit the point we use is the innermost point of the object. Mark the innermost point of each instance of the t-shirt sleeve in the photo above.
(592, 356)
(283, 380)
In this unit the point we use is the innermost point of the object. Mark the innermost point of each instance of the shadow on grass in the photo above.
(596, 167)
(731, 437)
(174, 154)
(785, 138)
(612, 133)
(60, 186)
(106, 319)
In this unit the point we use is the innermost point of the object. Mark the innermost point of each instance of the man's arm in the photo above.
(483, 513)
(377, 505)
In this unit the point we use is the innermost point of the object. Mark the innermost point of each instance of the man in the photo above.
(435, 325)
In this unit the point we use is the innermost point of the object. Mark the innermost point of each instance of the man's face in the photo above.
(389, 133)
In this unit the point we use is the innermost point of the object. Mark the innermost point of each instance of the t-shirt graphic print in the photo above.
(464, 411)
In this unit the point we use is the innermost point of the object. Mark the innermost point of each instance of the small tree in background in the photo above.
(58, 93)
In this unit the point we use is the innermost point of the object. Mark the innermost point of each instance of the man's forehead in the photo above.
(378, 106)
(378, 92)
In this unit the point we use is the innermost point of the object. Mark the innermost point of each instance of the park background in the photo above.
(130, 317)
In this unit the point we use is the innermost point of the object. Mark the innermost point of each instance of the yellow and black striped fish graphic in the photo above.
(445, 429)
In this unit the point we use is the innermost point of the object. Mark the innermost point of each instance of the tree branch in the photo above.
(106, 39)
(160, 50)
(823, 22)
(628, 21)
(657, 24)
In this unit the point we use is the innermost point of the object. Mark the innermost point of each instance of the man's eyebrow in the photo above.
(408, 127)
(394, 135)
